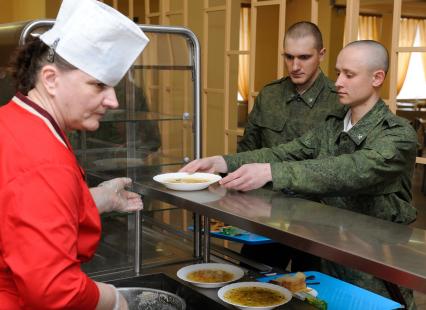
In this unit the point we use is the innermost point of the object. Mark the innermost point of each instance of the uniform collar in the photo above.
(310, 96)
(27, 104)
(359, 132)
(30, 106)
(347, 123)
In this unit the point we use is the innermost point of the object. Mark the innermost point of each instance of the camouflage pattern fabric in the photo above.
(367, 169)
(280, 114)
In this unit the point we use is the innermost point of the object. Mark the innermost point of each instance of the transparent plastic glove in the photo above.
(112, 195)
(120, 302)
(110, 298)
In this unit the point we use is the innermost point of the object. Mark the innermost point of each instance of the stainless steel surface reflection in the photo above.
(390, 251)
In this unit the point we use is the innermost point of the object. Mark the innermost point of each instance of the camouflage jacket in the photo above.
(367, 169)
(279, 114)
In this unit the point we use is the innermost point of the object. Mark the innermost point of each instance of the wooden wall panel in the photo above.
(109, 2)
(233, 11)
(195, 17)
(52, 8)
(214, 124)
(6, 12)
(213, 84)
(174, 6)
(326, 27)
(213, 3)
(123, 7)
(266, 62)
(139, 11)
(297, 11)
(154, 5)
(216, 49)
(336, 40)
(386, 40)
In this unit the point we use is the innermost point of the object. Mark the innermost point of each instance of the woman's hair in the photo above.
(28, 59)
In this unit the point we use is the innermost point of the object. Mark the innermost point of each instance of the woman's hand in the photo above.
(112, 195)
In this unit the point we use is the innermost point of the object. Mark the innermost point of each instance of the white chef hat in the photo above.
(96, 39)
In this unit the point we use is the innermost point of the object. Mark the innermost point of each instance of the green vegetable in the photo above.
(232, 231)
(317, 303)
(229, 231)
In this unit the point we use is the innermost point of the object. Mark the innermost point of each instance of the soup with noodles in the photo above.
(254, 296)
(186, 180)
(210, 276)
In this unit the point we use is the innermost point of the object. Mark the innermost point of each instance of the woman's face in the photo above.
(81, 100)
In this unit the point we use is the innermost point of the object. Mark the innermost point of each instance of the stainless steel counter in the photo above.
(393, 252)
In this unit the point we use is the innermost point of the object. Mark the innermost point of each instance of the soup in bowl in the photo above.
(254, 295)
(210, 275)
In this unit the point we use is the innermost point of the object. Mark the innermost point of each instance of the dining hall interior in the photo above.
(240, 51)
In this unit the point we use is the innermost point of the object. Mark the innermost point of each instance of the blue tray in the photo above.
(342, 295)
(246, 238)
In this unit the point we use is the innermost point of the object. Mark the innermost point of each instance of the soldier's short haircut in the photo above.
(304, 29)
(378, 56)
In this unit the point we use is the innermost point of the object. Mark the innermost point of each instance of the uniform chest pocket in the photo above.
(271, 122)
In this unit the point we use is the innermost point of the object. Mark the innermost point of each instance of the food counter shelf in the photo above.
(387, 250)
(165, 278)
(121, 115)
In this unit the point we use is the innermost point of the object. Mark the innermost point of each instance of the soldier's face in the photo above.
(302, 60)
(354, 82)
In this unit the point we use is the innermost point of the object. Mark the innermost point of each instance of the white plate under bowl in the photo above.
(237, 273)
(166, 177)
(282, 290)
(311, 291)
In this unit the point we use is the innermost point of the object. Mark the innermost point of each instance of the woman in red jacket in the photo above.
(49, 218)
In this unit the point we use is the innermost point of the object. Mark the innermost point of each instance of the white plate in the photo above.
(117, 163)
(309, 291)
(282, 290)
(237, 273)
(167, 177)
(204, 196)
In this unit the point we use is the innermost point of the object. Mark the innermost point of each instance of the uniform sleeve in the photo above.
(251, 139)
(295, 168)
(300, 148)
(39, 235)
(364, 171)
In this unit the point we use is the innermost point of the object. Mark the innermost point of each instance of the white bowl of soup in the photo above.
(254, 295)
(210, 275)
(184, 181)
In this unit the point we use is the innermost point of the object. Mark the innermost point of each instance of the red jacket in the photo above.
(49, 222)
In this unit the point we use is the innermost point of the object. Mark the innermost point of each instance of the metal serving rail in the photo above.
(390, 251)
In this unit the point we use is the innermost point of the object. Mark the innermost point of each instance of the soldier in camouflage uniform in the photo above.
(286, 109)
(362, 160)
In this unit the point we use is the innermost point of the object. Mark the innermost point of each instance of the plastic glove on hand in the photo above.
(115, 196)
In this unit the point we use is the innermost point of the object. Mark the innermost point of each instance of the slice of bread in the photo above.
(294, 283)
